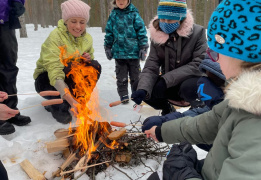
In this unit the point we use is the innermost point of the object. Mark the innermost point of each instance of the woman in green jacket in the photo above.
(50, 72)
(233, 126)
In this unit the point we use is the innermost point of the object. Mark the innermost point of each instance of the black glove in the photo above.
(181, 163)
(108, 52)
(138, 96)
(152, 121)
(143, 53)
(17, 9)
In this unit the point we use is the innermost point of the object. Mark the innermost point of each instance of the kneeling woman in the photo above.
(50, 72)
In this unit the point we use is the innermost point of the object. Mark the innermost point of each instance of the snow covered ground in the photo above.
(28, 142)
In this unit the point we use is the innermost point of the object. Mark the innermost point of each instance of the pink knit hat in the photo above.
(75, 8)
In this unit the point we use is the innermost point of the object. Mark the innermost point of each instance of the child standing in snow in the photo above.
(125, 41)
(233, 126)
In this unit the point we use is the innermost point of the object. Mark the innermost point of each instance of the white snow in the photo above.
(28, 142)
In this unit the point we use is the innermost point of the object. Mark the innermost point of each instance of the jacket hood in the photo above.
(185, 29)
(245, 92)
(129, 8)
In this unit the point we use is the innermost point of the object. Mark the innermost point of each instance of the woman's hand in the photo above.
(86, 57)
(151, 133)
(68, 97)
(6, 112)
(3, 96)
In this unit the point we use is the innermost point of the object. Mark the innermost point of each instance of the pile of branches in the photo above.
(134, 148)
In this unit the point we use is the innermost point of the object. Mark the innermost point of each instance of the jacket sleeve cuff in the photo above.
(158, 133)
(60, 85)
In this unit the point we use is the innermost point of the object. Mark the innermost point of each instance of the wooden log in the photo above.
(57, 145)
(31, 171)
(117, 134)
(123, 157)
(59, 133)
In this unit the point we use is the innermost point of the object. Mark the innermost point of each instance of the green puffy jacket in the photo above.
(125, 33)
(49, 58)
(233, 127)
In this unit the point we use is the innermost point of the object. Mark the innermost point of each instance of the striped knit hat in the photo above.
(172, 9)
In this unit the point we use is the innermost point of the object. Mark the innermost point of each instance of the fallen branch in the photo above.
(81, 168)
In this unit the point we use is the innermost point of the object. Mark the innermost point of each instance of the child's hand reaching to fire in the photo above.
(86, 57)
(151, 133)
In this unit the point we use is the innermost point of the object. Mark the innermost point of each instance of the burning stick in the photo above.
(82, 168)
(68, 161)
(120, 124)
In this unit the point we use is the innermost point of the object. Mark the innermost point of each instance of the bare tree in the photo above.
(103, 14)
(34, 14)
(23, 32)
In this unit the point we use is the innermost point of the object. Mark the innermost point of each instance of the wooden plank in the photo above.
(31, 171)
(117, 134)
(57, 145)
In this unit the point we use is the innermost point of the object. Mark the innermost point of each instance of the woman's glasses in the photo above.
(214, 56)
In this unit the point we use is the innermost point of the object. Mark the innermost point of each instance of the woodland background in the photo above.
(47, 12)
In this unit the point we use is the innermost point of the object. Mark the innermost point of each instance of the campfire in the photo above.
(94, 144)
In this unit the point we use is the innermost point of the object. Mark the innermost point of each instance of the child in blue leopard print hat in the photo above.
(233, 126)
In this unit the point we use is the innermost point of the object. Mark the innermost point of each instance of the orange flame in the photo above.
(88, 116)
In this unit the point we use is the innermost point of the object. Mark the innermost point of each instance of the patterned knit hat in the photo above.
(75, 8)
(234, 30)
(172, 10)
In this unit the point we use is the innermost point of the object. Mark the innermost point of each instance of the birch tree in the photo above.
(23, 32)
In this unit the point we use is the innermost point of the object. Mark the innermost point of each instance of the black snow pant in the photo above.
(187, 90)
(8, 68)
(181, 164)
(125, 67)
(3, 173)
(42, 82)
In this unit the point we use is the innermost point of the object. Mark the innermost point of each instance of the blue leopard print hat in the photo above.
(234, 30)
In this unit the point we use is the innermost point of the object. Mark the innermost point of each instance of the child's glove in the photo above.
(17, 9)
(108, 52)
(152, 121)
(138, 96)
(143, 53)
(159, 120)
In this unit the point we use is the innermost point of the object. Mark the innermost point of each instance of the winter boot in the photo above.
(168, 109)
(60, 112)
(6, 128)
(125, 99)
(197, 104)
(20, 120)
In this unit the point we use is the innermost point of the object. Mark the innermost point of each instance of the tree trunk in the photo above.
(103, 14)
(56, 13)
(23, 32)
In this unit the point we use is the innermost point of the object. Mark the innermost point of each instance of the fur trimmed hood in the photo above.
(185, 29)
(245, 92)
